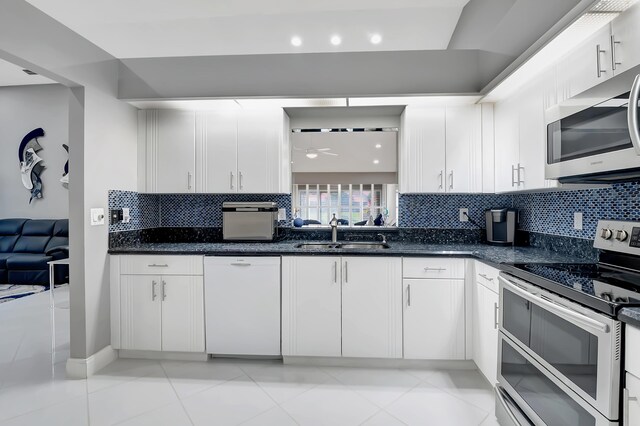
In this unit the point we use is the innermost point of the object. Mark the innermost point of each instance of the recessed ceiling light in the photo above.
(336, 40)
(378, 146)
(376, 161)
(376, 38)
(296, 41)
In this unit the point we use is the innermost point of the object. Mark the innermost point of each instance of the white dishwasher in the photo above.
(242, 305)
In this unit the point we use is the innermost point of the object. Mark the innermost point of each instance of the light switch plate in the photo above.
(126, 217)
(97, 217)
(463, 215)
(282, 214)
(577, 221)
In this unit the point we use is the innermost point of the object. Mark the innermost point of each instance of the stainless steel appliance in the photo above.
(594, 137)
(560, 342)
(501, 225)
(249, 221)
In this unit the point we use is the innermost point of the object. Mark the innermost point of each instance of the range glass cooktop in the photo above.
(615, 287)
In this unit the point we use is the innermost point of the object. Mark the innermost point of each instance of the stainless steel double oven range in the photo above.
(560, 344)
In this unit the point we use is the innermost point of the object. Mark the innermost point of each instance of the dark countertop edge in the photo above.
(302, 252)
(630, 316)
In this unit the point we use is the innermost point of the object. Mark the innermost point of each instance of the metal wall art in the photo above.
(31, 165)
(65, 173)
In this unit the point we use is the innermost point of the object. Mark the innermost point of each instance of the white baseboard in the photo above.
(81, 368)
(163, 356)
(380, 363)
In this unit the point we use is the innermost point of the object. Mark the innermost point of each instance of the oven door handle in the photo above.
(632, 114)
(558, 309)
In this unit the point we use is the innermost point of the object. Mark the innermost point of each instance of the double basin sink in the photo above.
(346, 245)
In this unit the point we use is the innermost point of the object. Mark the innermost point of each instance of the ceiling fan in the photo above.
(312, 153)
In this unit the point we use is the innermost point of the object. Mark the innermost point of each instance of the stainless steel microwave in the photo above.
(594, 137)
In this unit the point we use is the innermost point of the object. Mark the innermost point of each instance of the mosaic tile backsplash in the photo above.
(545, 213)
(182, 210)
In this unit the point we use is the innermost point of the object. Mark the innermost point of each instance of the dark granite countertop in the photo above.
(492, 254)
(630, 316)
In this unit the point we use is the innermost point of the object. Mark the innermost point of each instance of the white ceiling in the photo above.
(169, 28)
(12, 75)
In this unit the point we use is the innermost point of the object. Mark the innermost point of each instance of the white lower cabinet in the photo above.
(341, 306)
(371, 310)
(156, 312)
(485, 320)
(632, 400)
(434, 319)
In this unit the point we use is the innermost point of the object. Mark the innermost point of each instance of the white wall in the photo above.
(22, 109)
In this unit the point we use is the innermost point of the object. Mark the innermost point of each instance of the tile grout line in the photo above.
(176, 393)
(456, 396)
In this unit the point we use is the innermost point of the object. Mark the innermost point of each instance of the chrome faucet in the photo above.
(334, 229)
(384, 238)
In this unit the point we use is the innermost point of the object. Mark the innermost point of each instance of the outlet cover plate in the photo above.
(462, 216)
(97, 217)
(577, 221)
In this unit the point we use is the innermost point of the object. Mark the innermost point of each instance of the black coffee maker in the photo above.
(501, 225)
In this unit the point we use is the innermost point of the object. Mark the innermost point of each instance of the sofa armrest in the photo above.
(59, 250)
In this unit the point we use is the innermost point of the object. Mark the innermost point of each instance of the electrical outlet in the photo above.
(282, 214)
(577, 221)
(463, 215)
(126, 216)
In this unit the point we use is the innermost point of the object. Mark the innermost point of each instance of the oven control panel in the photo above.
(617, 235)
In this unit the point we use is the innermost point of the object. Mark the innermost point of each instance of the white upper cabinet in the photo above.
(507, 145)
(422, 149)
(441, 149)
(586, 65)
(170, 160)
(625, 40)
(231, 151)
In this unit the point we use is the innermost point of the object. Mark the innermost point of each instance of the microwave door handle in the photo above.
(559, 310)
(632, 114)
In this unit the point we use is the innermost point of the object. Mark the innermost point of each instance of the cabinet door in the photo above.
(464, 149)
(219, 151)
(260, 138)
(632, 400)
(371, 307)
(175, 152)
(586, 65)
(422, 150)
(507, 136)
(434, 319)
(485, 331)
(532, 138)
(140, 312)
(626, 32)
(182, 313)
(311, 300)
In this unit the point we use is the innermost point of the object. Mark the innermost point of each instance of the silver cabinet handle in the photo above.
(495, 316)
(632, 114)
(626, 400)
(154, 265)
(335, 272)
(513, 171)
(240, 264)
(230, 180)
(427, 269)
(486, 277)
(188, 180)
(598, 64)
(614, 62)
(153, 290)
(408, 294)
(520, 180)
(240, 180)
(164, 290)
(346, 272)
(441, 176)
(451, 180)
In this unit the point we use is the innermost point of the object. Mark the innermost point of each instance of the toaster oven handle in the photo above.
(557, 309)
(632, 114)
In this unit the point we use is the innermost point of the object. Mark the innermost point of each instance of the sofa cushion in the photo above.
(39, 277)
(28, 261)
(3, 259)
(60, 235)
(10, 230)
(35, 236)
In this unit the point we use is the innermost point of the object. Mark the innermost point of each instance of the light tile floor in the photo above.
(34, 390)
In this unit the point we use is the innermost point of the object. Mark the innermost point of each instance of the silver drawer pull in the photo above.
(496, 317)
(164, 290)
(427, 269)
(240, 264)
(154, 265)
(486, 277)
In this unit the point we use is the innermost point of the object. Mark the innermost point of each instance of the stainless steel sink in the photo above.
(349, 245)
(364, 245)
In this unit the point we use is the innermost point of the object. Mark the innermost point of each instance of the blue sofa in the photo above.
(26, 245)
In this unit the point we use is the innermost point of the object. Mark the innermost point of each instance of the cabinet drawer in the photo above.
(161, 265)
(432, 267)
(487, 276)
(632, 350)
